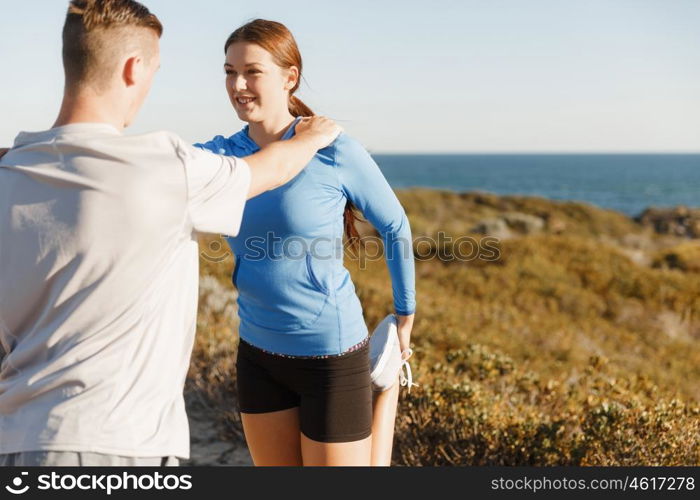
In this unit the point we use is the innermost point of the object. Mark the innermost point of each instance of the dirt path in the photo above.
(207, 447)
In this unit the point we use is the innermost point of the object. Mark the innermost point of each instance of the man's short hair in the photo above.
(96, 35)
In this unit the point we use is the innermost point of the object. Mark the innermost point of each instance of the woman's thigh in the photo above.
(353, 453)
(336, 411)
(273, 438)
(269, 412)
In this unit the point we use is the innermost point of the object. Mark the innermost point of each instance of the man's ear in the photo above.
(133, 68)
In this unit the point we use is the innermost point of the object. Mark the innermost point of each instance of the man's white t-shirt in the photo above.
(99, 284)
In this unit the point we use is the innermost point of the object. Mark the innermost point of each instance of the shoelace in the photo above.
(406, 380)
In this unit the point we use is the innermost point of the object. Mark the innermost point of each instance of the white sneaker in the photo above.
(386, 358)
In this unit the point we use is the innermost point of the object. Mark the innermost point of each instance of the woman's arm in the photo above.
(404, 327)
(365, 185)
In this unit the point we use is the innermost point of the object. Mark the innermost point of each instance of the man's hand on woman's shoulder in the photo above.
(3, 151)
(319, 128)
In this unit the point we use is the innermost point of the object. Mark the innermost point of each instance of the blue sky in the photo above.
(413, 76)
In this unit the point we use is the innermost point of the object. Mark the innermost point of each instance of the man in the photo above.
(99, 258)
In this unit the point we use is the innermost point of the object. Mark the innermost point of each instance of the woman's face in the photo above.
(257, 86)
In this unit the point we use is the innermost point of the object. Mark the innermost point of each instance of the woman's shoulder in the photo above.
(346, 142)
(344, 150)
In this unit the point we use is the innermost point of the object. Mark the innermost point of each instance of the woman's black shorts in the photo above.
(333, 394)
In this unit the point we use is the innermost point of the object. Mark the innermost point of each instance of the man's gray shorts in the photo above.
(81, 459)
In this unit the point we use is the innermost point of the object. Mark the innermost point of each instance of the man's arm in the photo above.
(281, 161)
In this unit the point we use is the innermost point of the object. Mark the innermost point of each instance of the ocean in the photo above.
(628, 183)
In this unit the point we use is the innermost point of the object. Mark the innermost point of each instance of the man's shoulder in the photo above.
(162, 141)
(98, 140)
(159, 147)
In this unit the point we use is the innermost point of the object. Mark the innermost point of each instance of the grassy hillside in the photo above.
(578, 344)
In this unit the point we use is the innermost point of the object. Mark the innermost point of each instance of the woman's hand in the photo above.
(405, 326)
(320, 129)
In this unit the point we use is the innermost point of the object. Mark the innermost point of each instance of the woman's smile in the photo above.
(245, 102)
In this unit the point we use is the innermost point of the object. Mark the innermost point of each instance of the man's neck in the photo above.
(271, 130)
(86, 107)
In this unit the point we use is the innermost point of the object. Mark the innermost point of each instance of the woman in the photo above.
(303, 367)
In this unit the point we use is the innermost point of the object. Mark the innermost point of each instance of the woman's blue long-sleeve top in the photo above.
(295, 295)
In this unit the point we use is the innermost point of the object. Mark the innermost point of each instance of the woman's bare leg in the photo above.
(383, 420)
(273, 438)
(354, 453)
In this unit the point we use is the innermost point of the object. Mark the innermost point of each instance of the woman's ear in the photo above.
(292, 78)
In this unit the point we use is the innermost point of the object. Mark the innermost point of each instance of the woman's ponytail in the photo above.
(298, 108)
